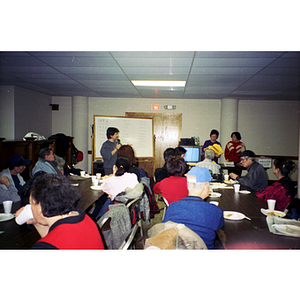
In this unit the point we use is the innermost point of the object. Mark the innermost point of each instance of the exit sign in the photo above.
(155, 106)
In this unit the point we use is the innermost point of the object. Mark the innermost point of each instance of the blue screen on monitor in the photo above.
(192, 154)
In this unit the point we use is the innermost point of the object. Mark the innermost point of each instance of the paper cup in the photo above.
(236, 187)
(82, 173)
(25, 215)
(95, 180)
(271, 204)
(98, 176)
(7, 206)
(226, 176)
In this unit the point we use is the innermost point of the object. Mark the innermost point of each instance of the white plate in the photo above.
(233, 215)
(244, 192)
(268, 212)
(292, 230)
(6, 217)
(231, 181)
(96, 187)
(215, 194)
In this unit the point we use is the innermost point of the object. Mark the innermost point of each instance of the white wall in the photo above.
(270, 127)
(32, 113)
(7, 112)
(62, 118)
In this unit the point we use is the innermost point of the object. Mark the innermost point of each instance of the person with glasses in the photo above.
(256, 178)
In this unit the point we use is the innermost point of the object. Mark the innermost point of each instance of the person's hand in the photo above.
(32, 221)
(233, 176)
(19, 211)
(217, 155)
(118, 146)
(4, 180)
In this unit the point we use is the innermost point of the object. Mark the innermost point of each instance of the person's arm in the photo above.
(8, 193)
(156, 188)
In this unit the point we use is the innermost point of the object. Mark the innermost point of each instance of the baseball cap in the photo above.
(17, 160)
(248, 153)
(198, 174)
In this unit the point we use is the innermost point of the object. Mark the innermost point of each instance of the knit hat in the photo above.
(17, 160)
(198, 174)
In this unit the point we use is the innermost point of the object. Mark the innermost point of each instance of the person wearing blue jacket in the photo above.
(46, 163)
(193, 211)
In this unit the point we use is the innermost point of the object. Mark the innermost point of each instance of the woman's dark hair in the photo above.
(285, 166)
(44, 152)
(169, 152)
(176, 166)
(180, 150)
(127, 150)
(123, 165)
(237, 134)
(214, 131)
(55, 194)
(111, 131)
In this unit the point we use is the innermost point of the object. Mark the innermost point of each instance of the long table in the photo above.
(23, 237)
(245, 234)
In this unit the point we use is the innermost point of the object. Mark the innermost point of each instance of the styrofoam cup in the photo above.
(25, 215)
(98, 175)
(214, 202)
(236, 187)
(226, 176)
(82, 173)
(95, 181)
(271, 204)
(7, 206)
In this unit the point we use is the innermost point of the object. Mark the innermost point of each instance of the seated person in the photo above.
(120, 179)
(202, 217)
(46, 163)
(209, 163)
(174, 187)
(283, 191)
(61, 226)
(58, 161)
(10, 193)
(256, 178)
(11, 180)
(162, 173)
(127, 150)
(180, 151)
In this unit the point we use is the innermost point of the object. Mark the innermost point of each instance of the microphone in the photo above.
(119, 141)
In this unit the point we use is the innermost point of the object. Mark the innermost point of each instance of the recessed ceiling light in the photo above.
(158, 83)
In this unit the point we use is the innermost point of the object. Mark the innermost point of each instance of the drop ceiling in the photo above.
(208, 74)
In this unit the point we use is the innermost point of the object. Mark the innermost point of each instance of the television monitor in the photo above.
(193, 154)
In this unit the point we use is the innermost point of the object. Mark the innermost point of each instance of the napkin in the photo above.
(280, 221)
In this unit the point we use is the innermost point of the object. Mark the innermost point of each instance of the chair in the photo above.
(166, 206)
(104, 226)
(128, 242)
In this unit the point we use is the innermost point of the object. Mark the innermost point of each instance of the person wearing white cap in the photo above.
(193, 211)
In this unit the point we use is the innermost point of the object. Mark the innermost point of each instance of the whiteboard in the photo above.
(136, 132)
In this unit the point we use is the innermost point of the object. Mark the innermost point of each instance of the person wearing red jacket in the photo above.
(173, 188)
(234, 148)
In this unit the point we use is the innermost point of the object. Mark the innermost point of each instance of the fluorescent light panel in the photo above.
(158, 83)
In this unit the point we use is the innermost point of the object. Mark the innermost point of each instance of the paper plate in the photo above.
(215, 194)
(96, 187)
(6, 217)
(233, 215)
(244, 192)
(275, 213)
(292, 230)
